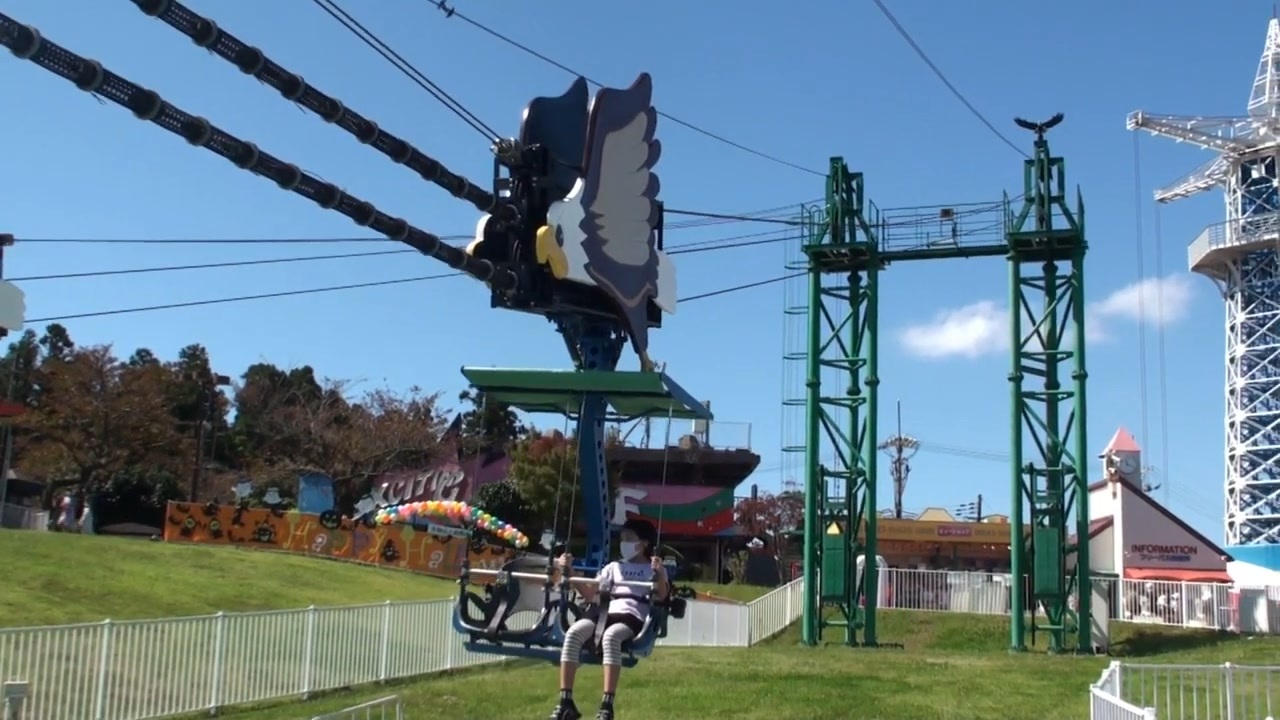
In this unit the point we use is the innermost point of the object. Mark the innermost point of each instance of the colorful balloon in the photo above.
(455, 511)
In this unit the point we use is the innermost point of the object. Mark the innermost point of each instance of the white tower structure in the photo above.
(1242, 257)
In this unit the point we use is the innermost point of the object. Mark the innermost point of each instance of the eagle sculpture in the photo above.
(604, 232)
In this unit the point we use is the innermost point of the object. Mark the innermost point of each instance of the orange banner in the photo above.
(328, 535)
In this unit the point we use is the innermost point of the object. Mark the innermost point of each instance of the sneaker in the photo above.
(565, 712)
(605, 714)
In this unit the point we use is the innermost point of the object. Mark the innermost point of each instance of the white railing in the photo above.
(1183, 692)
(1105, 702)
(131, 670)
(20, 517)
(1253, 610)
(774, 611)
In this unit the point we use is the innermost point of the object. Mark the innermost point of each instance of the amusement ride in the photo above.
(572, 230)
(1241, 255)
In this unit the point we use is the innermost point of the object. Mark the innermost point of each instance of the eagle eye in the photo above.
(559, 236)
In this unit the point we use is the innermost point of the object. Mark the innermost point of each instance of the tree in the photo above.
(196, 399)
(488, 424)
(264, 393)
(141, 357)
(94, 417)
(56, 342)
(544, 471)
(503, 500)
(288, 423)
(770, 516)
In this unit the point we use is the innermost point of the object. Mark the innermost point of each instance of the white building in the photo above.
(1136, 538)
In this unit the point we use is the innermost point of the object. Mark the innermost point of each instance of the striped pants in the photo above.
(583, 631)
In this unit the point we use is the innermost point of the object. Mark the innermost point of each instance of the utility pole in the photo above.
(900, 448)
(6, 241)
(208, 385)
(972, 509)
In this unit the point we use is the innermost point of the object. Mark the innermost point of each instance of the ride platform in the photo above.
(629, 394)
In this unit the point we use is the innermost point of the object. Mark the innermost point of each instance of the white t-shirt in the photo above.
(625, 599)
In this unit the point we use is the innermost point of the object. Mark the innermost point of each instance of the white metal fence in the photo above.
(1250, 610)
(1130, 691)
(19, 517)
(131, 670)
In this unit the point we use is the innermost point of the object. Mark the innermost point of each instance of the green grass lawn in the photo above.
(952, 667)
(60, 578)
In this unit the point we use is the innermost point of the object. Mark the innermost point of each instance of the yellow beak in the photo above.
(549, 253)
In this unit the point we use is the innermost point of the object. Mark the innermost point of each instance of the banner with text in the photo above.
(436, 550)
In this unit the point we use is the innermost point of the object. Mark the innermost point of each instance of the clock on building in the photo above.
(1127, 465)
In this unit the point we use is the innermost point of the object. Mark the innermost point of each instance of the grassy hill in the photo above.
(56, 578)
(951, 666)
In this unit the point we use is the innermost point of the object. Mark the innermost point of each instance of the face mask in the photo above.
(630, 550)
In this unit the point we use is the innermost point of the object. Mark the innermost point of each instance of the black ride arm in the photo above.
(89, 75)
(251, 61)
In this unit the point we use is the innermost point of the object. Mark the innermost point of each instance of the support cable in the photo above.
(790, 209)
(937, 71)
(206, 266)
(1162, 376)
(242, 298)
(1139, 241)
(734, 218)
(370, 38)
(450, 12)
(732, 242)
(779, 235)
(251, 61)
(90, 76)
(353, 286)
(727, 243)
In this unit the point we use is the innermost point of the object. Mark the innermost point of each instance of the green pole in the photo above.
(855, 516)
(1054, 485)
(1084, 582)
(871, 570)
(1017, 541)
(813, 482)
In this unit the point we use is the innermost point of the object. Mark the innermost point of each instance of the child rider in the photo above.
(623, 619)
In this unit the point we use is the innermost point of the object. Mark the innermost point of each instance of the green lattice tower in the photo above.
(845, 246)
(843, 266)
(1047, 379)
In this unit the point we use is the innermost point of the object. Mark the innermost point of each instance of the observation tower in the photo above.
(1242, 257)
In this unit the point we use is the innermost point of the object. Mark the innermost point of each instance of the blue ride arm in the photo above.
(594, 474)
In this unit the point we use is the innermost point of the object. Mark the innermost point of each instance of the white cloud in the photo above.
(982, 328)
(1157, 301)
(968, 331)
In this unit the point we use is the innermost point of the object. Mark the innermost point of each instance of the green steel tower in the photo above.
(1047, 380)
(843, 262)
(845, 247)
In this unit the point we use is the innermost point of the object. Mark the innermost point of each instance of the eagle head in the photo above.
(559, 243)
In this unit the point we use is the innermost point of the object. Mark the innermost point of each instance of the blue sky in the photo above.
(814, 79)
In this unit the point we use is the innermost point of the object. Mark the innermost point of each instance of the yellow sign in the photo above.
(922, 531)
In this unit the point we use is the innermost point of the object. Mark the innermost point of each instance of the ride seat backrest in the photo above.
(532, 597)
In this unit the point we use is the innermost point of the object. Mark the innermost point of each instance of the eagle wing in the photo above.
(620, 189)
(559, 124)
